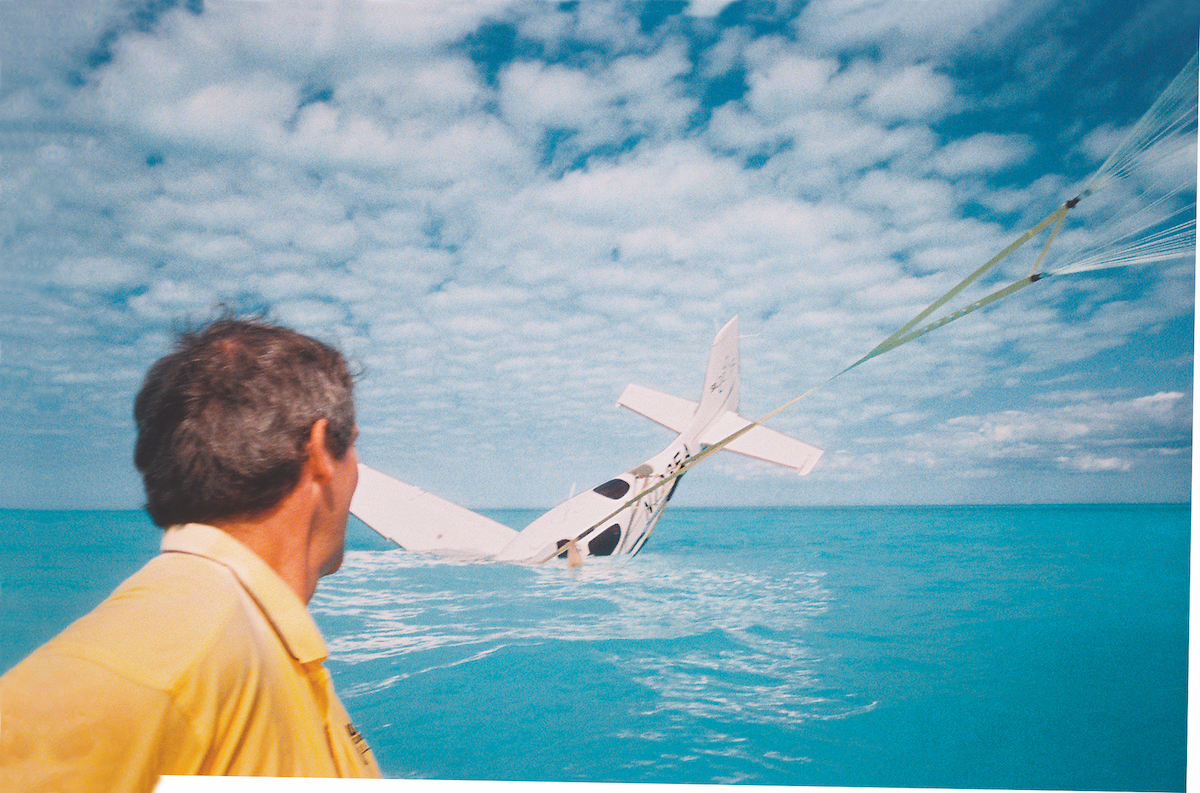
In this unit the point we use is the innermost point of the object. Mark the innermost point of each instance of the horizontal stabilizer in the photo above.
(763, 443)
(676, 413)
(420, 521)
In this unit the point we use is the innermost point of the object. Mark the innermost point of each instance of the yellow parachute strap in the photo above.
(1062, 215)
(978, 304)
(902, 335)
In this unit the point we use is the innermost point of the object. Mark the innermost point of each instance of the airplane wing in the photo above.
(761, 442)
(420, 521)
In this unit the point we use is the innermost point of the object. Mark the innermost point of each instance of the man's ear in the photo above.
(320, 461)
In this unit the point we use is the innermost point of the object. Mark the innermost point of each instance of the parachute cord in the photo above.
(903, 335)
(1128, 243)
(1176, 242)
(1174, 110)
(978, 304)
(1057, 228)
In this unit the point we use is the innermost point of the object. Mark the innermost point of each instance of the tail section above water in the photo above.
(714, 418)
(614, 518)
(722, 382)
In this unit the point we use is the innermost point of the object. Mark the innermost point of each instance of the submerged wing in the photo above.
(420, 521)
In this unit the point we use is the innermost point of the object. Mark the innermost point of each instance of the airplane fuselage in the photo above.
(604, 521)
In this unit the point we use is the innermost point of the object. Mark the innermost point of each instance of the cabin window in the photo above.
(604, 543)
(613, 488)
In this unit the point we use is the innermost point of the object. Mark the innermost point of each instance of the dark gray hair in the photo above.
(224, 419)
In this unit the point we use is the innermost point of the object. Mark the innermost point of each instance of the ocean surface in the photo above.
(1023, 647)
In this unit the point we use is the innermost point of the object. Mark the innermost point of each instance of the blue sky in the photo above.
(504, 212)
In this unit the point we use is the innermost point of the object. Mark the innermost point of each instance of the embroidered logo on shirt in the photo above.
(360, 743)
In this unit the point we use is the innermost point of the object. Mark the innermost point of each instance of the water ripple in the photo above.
(709, 642)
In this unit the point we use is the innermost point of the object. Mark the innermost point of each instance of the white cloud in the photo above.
(911, 28)
(823, 123)
(436, 86)
(1084, 425)
(1102, 141)
(1075, 434)
(351, 169)
(676, 183)
(1091, 463)
(166, 300)
(915, 93)
(311, 316)
(100, 273)
(633, 97)
(706, 8)
(40, 42)
(789, 85)
(983, 154)
(906, 200)
(536, 96)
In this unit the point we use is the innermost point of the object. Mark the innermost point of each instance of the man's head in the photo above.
(224, 420)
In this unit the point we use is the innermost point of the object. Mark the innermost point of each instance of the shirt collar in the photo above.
(278, 601)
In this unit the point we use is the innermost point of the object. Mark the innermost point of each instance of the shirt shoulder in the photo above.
(175, 613)
(72, 724)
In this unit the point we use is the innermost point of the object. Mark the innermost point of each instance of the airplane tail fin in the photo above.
(722, 380)
(715, 417)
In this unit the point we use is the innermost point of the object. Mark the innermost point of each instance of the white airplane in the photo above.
(606, 520)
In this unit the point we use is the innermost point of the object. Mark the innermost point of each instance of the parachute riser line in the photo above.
(906, 333)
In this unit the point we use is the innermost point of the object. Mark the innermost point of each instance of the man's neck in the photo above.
(281, 537)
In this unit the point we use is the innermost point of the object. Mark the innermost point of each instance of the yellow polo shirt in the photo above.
(203, 662)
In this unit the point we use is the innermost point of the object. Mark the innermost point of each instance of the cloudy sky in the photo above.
(504, 212)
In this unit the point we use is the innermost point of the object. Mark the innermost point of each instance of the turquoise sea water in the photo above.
(996, 647)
